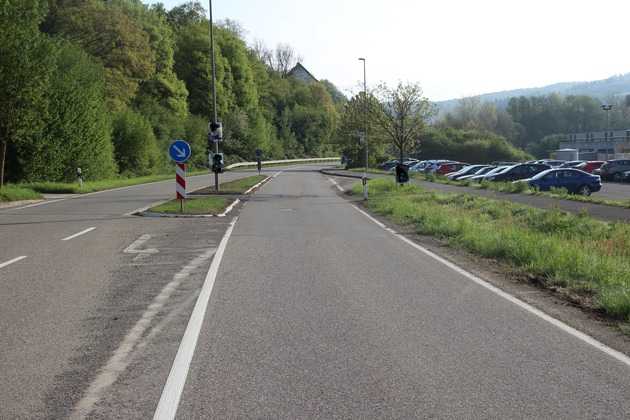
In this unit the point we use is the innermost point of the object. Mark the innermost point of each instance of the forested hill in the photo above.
(106, 85)
(613, 86)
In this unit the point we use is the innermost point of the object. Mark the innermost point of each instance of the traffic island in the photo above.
(237, 187)
(195, 206)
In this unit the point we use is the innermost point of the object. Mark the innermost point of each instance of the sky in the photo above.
(452, 48)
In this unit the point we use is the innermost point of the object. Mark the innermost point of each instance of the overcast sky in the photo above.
(453, 48)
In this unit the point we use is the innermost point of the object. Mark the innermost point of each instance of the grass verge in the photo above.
(194, 206)
(105, 184)
(18, 193)
(239, 186)
(588, 257)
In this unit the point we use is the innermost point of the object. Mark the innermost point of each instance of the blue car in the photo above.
(574, 180)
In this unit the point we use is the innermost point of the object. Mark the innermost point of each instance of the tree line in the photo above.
(106, 85)
(538, 123)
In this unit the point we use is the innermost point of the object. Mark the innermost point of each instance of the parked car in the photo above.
(432, 165)
(482, 177)
(520, 171)
(386, 166)
(626, 176)
(590, 166)
(613, 169)
(466, 170)
(572, 164)
(449, 167)
(478, 172)
(574, 180)
(551, 162)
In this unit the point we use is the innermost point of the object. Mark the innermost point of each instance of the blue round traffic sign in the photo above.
(180, 151)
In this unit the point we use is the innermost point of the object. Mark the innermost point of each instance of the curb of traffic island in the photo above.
(227, 210)
(257, 186)
(346, 175)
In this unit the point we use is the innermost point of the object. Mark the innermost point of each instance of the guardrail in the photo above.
(273, 162)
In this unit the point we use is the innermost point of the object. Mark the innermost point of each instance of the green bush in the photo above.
(135, 144)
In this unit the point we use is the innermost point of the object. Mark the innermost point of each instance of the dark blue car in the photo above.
(574, 180)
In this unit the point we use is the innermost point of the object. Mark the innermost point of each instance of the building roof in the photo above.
(299, 69)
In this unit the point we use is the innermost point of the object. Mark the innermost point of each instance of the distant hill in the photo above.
(613, 86)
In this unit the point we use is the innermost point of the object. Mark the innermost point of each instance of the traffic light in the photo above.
(217, 163)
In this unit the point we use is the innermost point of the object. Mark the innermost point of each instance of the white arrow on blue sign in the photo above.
(179, 151)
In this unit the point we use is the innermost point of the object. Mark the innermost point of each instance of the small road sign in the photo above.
(179, 151)
(259, 153)
(180, 178)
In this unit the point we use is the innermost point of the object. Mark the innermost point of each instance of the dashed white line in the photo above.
(83, 232)
(172, 392)
(529, 308)
(14, 260)
(276, 174)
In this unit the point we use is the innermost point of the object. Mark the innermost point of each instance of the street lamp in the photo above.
(365, 132)
(607, 108)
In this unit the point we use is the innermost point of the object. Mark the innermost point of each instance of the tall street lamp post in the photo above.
(365, 131)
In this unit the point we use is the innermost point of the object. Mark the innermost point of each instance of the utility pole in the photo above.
(365, 131)
(214, 126)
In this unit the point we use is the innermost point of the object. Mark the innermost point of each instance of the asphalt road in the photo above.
(67, 305)
(316, 312)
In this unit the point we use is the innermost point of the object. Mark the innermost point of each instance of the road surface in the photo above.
(314, 310)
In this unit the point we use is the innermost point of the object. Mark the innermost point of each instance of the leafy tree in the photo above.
(403, 113)
(108, 32)
(77, 129)
(25, 69)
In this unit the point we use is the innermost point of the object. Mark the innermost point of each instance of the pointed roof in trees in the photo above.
(299, 72)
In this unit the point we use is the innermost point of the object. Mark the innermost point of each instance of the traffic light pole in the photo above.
(214, 92)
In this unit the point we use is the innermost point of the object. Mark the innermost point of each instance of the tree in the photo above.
(403, 114)
(25, 69)
(108, 32)
(77, 131)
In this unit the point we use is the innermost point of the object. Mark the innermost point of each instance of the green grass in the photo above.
(239, 186)
(18, 193)
(196, 205)
(584, 255)
(106, 184)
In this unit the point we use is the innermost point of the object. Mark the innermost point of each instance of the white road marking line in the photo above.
(83, 232)
(529, 308)
(257, 185)
(229, 209)
(41, 203)
(339, 187)
(118, 363)
(135, 245)
(276, 174)
(172, 392)
(14, 260)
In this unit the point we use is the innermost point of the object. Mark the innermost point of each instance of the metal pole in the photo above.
(214, 90)
(365, 132)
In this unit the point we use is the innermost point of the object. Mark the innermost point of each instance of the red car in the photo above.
(448, 167)
(590, 166)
